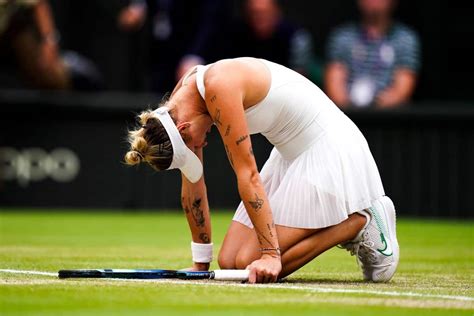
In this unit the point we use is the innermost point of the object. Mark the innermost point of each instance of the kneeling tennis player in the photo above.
(319, 188)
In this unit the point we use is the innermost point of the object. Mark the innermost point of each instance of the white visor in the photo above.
(183, 158)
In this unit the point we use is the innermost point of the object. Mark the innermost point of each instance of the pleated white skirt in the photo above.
(335, 177)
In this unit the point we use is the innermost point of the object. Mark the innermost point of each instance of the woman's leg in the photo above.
(241, 246)
(298, 246)
(314, 245)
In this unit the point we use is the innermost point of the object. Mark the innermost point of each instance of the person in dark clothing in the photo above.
(29, 51)
(183, 34)
(264, 32)
(30, 54)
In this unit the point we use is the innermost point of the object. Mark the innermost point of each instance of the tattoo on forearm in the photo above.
(270, 230)
(217, 118)
(229, 155)
(195, 209)
(213, 98)
(241, 139)
(185, 206)
(261, 237)
(227, 131)
(198, 213)
(204, 238)
(257, 204)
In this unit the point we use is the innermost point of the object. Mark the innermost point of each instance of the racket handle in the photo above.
(231, 275)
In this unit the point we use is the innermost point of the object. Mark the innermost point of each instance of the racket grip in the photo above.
(231, 275)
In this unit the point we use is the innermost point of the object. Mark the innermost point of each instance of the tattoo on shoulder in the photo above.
(257, 204)
(241, 139)
(213, 98)
(204, 237)
(217, 118)
(227, 131)
(229, 155)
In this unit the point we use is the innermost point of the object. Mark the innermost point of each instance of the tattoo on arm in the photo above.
(217, 118)
(241, 139)
(229, 155)
(270, 229)
(227, 131)
(197, 212)
(204, 238)
(257, 204)
(213, 98)
(185, 206)
(261, 237)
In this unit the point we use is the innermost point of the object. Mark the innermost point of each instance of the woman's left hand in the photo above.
(265, 270)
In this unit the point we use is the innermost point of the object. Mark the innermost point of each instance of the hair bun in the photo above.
(133, 157)
(149, 143)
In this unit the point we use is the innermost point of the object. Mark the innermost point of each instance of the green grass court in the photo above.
(437, 264)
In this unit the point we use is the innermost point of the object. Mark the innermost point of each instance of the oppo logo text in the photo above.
(36, 164)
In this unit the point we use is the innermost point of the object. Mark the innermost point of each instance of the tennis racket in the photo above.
(118, 274)
(223, 275)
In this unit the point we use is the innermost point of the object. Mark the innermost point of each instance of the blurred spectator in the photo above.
(374, 62)
(133, 16)
(183, 31)
(265, 33)
(29, 39)
(29, 43)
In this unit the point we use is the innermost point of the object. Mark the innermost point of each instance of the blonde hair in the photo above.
(149, 143)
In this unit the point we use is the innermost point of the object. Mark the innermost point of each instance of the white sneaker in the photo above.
(376, 246)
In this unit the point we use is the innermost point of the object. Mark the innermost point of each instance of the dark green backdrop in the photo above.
(425, 155)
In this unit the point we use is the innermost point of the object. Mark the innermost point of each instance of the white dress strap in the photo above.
(200, 71)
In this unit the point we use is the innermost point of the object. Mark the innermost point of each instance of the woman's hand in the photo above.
(264, 270)
(198, 267)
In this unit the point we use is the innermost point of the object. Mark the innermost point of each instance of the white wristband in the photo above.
(202, 253)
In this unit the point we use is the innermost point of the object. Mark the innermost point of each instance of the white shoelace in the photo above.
(364, 252)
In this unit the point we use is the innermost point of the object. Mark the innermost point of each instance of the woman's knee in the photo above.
(237, 236)
(226, 260)
(241, 262)
(245, 256)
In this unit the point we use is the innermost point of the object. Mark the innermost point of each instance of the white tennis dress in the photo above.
(321, 169)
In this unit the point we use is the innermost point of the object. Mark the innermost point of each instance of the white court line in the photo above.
(271, 286)
(29, 272)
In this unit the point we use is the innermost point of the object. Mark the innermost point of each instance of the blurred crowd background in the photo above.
(362, 53)
(73, 74)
